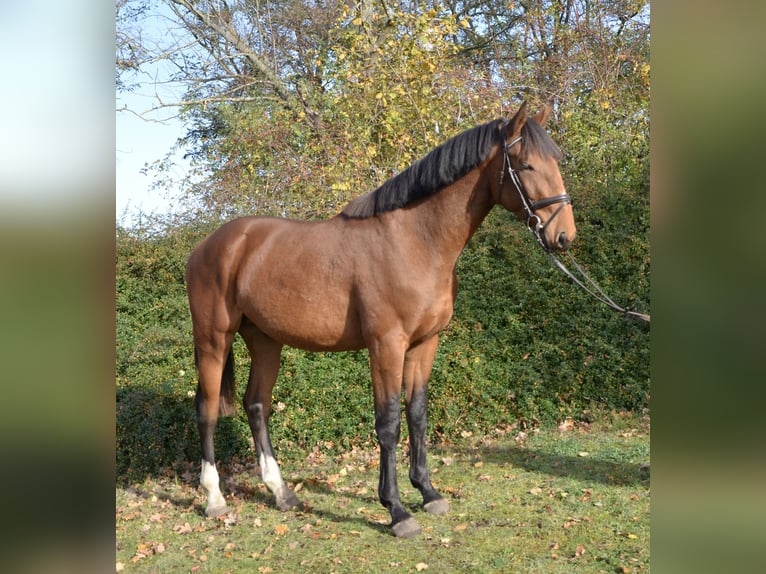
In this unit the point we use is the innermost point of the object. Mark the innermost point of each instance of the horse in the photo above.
(378, 275)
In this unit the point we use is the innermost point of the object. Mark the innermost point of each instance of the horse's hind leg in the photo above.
(264, 368)
(211, 364)
(417, 370)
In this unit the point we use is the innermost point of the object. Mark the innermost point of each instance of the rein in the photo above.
(599, 294)
(539, 227)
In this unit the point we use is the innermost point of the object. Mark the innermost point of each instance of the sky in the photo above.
(141, 141)
(144, 136)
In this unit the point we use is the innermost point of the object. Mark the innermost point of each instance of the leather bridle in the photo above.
(531, 219)
(538, 229)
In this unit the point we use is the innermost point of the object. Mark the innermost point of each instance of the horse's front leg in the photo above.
(386, 362)
(417, 371)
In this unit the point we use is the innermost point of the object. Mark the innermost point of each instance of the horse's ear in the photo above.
(517, 122)
(542, 116)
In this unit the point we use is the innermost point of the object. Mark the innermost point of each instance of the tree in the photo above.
(296, 106)
(131, 52)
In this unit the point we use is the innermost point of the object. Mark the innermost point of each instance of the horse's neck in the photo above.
(448, 219)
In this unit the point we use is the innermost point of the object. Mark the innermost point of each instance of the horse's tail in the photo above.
(228, 392)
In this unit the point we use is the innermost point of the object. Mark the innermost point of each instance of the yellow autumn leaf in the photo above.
(281, 529)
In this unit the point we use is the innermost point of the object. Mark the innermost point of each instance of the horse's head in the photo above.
(531, 183)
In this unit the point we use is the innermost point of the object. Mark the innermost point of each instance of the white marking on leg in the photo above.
(209, 481)
(271, 475)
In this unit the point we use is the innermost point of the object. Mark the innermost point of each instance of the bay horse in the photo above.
(379, 275)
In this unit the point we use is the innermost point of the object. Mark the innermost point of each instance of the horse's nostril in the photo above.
(563, 242)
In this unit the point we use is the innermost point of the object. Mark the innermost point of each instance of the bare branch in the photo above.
(221, 24)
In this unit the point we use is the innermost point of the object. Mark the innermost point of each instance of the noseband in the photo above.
(530, 207)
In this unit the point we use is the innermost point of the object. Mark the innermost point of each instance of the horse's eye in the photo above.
(525, 166)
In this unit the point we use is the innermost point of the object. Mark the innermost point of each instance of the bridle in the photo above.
(538, 230)
(531, 219)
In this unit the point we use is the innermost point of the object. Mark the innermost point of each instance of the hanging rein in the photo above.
(535, 224)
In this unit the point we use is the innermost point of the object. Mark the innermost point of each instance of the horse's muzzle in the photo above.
(563, 242)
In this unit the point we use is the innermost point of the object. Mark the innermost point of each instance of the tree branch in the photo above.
(225, 29)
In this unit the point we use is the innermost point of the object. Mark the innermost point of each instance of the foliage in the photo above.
(293, 108)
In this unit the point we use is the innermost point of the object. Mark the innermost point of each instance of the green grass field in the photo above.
(573, 499)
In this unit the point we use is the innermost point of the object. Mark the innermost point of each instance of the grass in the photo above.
(556, 500)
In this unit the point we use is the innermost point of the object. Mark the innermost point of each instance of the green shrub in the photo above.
(156, 428)
(524, 344)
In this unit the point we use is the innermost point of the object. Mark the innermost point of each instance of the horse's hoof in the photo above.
(439, 506)
(216, 511)
(407, 528)
(289, 501)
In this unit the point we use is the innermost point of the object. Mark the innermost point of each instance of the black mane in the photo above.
(444, 165)
(441, 167)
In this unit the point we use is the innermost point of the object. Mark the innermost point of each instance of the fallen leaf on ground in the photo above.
(570, 522)
(144, 550)
(184, 528)
(420, 566)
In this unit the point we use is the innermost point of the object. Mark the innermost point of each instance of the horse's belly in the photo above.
(314, 321)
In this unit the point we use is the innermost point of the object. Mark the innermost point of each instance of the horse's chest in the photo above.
(432, 316)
